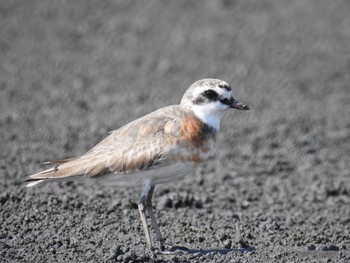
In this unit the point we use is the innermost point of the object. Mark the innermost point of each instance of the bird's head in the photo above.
(208, 99)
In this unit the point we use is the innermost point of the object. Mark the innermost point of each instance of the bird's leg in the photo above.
(152, 217)
(145, 205)
(142, 209)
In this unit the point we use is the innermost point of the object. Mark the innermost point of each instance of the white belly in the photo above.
(159, 175)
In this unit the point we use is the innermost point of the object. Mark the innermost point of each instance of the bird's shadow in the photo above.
(184, 250)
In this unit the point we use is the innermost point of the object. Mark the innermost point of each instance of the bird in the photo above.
(160, 147)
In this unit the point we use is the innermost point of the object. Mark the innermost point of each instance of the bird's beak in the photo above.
(235, 104)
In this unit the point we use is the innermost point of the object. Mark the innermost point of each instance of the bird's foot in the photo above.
(167, 249)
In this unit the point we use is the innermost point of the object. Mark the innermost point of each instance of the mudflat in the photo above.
(278, 187)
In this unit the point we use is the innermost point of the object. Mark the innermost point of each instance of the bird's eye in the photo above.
(210, 94)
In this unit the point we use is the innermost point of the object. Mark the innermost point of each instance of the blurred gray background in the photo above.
(70, 71)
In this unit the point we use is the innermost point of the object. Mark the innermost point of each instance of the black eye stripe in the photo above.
(210, 94)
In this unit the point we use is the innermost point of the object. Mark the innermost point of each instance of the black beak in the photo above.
(235, 104)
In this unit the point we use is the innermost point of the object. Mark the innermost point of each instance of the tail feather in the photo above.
(33, 183)
(68, 169)
(58, 162)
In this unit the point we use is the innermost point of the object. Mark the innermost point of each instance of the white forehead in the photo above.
(224, 93)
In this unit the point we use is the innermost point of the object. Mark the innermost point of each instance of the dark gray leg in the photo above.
(151, 215)
(145, 205)
(142, 210)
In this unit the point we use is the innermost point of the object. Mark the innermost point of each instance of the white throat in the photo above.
(208, 115)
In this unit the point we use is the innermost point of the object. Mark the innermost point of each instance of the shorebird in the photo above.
(160, 147)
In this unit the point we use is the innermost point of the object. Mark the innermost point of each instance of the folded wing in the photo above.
(142, 144)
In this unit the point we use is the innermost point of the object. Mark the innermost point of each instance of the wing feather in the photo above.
(139, 145)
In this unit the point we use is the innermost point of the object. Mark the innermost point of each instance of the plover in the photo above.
(160, 147)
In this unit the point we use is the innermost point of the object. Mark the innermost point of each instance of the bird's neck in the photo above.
(208, 116)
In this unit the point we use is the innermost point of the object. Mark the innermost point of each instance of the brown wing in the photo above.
(142, 144)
